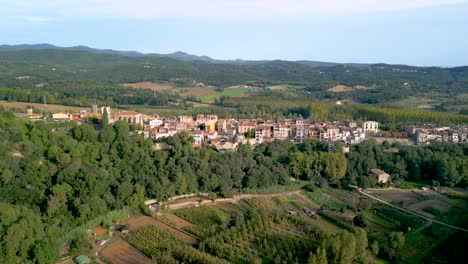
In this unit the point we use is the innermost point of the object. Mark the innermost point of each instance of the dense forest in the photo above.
(55, 177)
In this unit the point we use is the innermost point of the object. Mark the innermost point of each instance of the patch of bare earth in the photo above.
(149, 85)
(199, 91)
(141, 221)
(120, 252)
(437, 204)
(340, 88)
(404, 197)
(179, 222)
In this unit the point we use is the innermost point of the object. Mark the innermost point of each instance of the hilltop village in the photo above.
(226, 134)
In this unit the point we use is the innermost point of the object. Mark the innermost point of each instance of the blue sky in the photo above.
(416, 32)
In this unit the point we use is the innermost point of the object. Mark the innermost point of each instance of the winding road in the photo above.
(407, 211)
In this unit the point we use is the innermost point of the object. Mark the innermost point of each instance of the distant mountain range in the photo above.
(180, 55)
(115, 66)
(76, 48)
(176, 55)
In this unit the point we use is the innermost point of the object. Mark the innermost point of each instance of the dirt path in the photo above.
(407, 211)
(235, 199)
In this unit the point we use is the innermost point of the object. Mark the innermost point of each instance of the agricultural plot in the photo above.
(234, 92)
(321, 198)
(163, 247)
(141, 221)
(292, 204)
(177, 221)
(152, 241)
(41, 107)
(120, 252)
(149, 85)
(227, 207)
(420, 243)
(285, 86)
(198, 91)
(267, 229)
(422, 238)
(203, 218)
(428, 203)
(264, 240)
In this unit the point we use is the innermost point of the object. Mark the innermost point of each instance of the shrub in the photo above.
(431, 210)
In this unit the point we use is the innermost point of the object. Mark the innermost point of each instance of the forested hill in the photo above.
(58, 178)
(122, 66)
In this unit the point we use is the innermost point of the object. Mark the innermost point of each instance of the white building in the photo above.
(61, 116)
(370, 126)
(155, 122)
(382, 176)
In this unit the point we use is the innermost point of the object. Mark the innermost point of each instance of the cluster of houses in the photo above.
(429, 133)
(226, 134)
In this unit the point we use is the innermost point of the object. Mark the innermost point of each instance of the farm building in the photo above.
(382, 176)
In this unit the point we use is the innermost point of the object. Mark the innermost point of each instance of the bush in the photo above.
(431, 210)
(309, 187)
(359, 221)
(145, 210)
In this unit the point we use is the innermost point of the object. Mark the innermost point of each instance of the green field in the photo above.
(234, 92)
(266, 229)
(285, 86)
(203, 218)
(163, 247)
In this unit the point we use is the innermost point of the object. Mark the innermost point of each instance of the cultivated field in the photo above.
(340, 88)
(178, 222)
(343, 88)
(287, 215)
(203, 218)
(41, 107)
(403, 197)
(416, 200)
(438, 204)
(198, 91)
(141, 221)
(234, 92)
(120, 252)
(285, 86)
(190, 91)
(149, 85)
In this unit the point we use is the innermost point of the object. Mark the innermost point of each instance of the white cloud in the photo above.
(152, 9)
